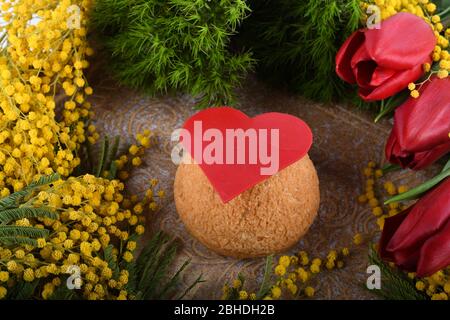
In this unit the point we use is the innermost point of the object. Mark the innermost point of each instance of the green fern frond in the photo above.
(9, 215)
(13, 200)
(44, 180)
(20, 231)
(109, 258)
(13, 241)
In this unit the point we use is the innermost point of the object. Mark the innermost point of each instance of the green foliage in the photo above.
(14, 200)
(17, 241)
(109, 258)
(62, 292)
(447, 166)
(296, 42)
(31, 232)
(22, 290)
(149, 273)
(395, 285)
(233, 293)
(9, 215)
(12, 209)
(160, 46)
(104, 161)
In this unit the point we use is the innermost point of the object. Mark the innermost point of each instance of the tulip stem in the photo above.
(384, 110)
(389, 105)
(390, 167)
(443, 13)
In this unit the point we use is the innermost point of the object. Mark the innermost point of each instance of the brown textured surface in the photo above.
(269, 218)
(344, 141)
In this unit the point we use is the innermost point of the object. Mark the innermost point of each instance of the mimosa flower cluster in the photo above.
(45, 119)
(44, 54)
(292, 276)
(93, 216)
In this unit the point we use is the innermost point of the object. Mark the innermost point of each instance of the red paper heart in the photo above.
(230, 180)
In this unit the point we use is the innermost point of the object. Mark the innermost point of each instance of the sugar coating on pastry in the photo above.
(268, 218)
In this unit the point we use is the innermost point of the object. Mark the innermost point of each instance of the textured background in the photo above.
(344, 141)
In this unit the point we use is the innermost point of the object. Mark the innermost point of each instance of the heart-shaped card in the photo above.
(237, 152)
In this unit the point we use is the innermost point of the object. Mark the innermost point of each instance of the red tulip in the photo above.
(421, 127)
(384, 61)
(418, 240)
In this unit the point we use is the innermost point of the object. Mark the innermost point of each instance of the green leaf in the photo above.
(154, 276)
(23, 290)
(447, 166)
(102, 158)
(9, 215)
(112, 171)
(389, 105)
(112, 153)
(418, 191)
(195, 283)
(170, 285)
(390, 167)
(266, 283)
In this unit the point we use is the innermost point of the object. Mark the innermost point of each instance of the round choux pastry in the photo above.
(268, 218)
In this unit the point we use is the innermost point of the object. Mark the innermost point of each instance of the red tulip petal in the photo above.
(380, 75)
(359, 56)
(390, 227)
(403, 42)
(423, 159)
(363, 72)
(435, 253)
(396, 83)
(405, 259)
(420, 133)
(427, 216)
(363, 67)
(394, 153)
(408, 259)
(423, 123)
(345, 54)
